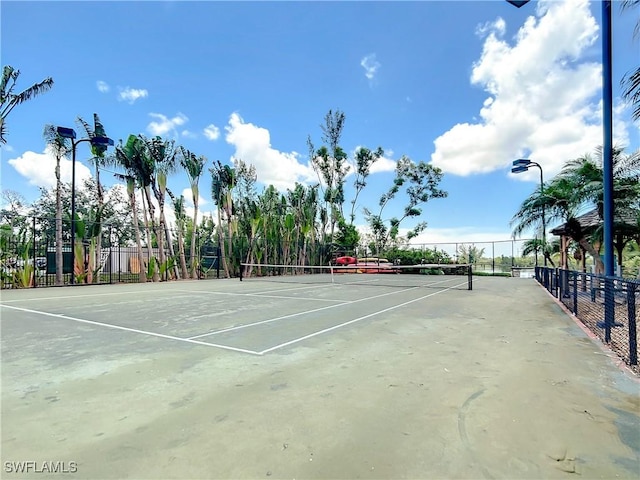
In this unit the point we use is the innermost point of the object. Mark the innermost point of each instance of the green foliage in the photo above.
(167, 266)
(151, 267)
(469, 253)
(9, 100)
(420, 182)
(492, 274)
(347, 236)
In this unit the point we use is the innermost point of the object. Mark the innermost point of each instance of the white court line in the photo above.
(126, 329)
(335, 327)
(267, 296)
(75, 296)
(238, 327)
(307, 287)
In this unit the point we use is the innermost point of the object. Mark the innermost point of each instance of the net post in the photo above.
(470, 275)
(240, 272)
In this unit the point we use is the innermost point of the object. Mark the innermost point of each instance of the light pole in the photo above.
(522, 165)
(97, 141)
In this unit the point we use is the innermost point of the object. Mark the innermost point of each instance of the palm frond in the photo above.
(631, 91)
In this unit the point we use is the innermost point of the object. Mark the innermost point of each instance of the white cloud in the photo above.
(384, 164)
(166, 125)
(7, 148)
(102, 86)
(40, 168)
(543, 101)
(130, 95)
(498, 27)
(459, 235)
(212, 132)
(188, 199)
(370, 65)
(496, 242)
(189, 134)
(253, 145)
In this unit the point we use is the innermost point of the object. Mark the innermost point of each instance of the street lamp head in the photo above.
(102, 142)
(518, 3)
(65, 132)
(519, 169)
(522, 162)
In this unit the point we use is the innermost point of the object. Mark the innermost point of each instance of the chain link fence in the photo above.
(607, 306)
(30, 257)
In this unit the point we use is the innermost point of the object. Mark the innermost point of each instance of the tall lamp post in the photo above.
(97, 141)
(522, 165)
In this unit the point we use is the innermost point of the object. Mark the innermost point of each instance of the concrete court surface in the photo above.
(498, 382)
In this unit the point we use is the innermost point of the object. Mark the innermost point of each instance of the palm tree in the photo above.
(194, 166)
(8, 99)
(99, 160)
(181, 216)
(560, 201)
(162, 154)
(536, 245)
(60, 146)
(129, 156)
(631, 81)
(586, 174)
(223, 180)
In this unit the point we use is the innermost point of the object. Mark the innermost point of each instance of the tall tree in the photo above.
(181, 220)
(60, 146)
(365, 159)
(223, 180)
(130, 156)
(330, 164)
(163, 156)
(420, 182)
(560, 203)
(9, 99)
(99, 160)
(194, 166)
(586, 174)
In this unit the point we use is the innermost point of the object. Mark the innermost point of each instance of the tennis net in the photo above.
(443, 276)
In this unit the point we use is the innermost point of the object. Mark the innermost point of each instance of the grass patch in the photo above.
(492, 274)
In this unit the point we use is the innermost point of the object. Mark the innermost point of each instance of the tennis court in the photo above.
(268, 378)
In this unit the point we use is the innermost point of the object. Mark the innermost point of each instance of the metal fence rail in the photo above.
(607, 306)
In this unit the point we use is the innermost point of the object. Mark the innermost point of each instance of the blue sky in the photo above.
(469, 86)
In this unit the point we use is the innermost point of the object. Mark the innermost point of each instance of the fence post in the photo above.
(493, 257)
(560, 284)
(575, 294)
(631, 307)
(608, 308)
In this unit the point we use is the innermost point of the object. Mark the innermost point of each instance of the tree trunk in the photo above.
(156, 270)
(160, 236)
(183, 260)
(225, 266)
(170, 246)
(592, 251)
(194, 272)
(142, 274)
(147, 230)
